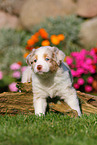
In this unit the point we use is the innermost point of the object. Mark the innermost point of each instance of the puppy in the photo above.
(51, 76)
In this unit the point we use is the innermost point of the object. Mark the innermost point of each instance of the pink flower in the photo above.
(92, 69)
(69, 60)
(23, 68)
(84, 52)
(15, 66)
(74, 54)
(76, 73)
(76, 86)
(94, 55)
(72, 66)
(89, 61)
(78, 64)
(73, 72)
(85, 66)
(95, 60)
(80, 81)
(88, 88)
(92, 52)
(86, 72)
(90, 80)
(80, 71)
(80, 57)
(1, 75)
(16, 74)
(12, 87)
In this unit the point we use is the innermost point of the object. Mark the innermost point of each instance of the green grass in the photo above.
(53, 129)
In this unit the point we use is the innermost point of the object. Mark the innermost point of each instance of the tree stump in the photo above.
(22, 102)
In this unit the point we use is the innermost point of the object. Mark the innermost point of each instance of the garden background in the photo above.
(70, 25)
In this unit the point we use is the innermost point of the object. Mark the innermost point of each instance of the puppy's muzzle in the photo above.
(39, 67)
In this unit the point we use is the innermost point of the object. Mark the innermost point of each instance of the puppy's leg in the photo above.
(27, 75)
(40, 105)
(70, 97)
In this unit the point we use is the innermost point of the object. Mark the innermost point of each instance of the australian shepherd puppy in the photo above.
(50, 76)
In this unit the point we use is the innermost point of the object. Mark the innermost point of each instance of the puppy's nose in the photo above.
(39, 67)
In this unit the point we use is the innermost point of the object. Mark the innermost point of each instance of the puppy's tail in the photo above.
(27, 75)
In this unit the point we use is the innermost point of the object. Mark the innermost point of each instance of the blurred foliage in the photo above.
(12, 44)
(67, 25)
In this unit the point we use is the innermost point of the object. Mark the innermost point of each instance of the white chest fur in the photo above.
(51, 85)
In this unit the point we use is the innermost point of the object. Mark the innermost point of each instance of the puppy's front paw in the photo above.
(40, 105)
(40, 114)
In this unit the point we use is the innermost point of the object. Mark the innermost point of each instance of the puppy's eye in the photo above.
(32, 62)
(35, 60)
(47, 59)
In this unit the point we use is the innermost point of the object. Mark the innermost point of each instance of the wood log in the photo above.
(22, 102)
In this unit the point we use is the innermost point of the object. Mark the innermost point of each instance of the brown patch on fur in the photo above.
(35, 57)
(54, 66)
(53, 55)
(45, 56)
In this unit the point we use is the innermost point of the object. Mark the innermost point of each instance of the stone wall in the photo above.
(27, 13)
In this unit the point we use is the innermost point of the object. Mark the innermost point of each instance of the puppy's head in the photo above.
(45, 59)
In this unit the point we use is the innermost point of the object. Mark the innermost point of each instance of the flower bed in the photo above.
(8, 82)
(42, 38)
(83, 64)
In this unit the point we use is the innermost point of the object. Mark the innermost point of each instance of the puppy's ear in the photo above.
(29, 57)
(59, 55)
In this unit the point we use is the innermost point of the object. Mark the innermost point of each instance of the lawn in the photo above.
(53, 129)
